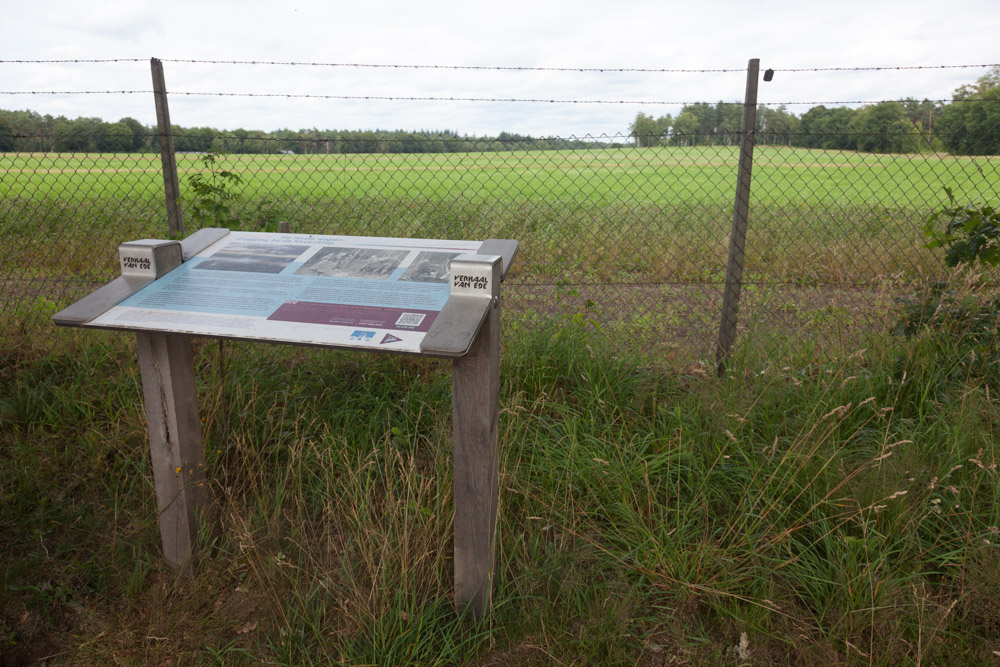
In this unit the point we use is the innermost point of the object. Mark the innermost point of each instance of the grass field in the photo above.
(604, 215)
(833, 499)
(657, 176)
(840, 511)
(636, 238)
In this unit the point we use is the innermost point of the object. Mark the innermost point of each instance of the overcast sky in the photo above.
(712, 34)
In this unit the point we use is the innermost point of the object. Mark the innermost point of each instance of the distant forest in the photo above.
(28, 131)
(968, 125)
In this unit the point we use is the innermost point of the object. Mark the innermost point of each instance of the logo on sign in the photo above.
(363, 336)
(471, 282)
(389, 338)
(137, 263)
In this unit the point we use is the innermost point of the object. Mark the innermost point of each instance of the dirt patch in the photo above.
(668, 320)
(683, 319)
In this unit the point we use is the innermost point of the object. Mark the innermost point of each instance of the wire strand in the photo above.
(73, 61)
(508, 68)
(527, 100)
(882, 68)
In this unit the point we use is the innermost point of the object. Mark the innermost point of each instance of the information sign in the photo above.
(419, 296)
(342, 291)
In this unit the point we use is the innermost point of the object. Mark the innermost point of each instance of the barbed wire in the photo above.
(430, 135)
(510, 68)
(516, 68)
(421, 98)
(881, 68)
(506, 68)
(76, 92)
(74, 61)
(350, 137)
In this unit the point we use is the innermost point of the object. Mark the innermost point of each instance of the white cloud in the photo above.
(784, 34)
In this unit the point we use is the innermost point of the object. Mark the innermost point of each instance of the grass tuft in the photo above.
(838, 505)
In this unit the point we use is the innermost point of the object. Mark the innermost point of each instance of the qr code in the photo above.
(410, 320)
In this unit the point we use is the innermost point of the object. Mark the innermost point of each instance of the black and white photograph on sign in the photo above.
(253, 257)
(373, 264)
(429, 267)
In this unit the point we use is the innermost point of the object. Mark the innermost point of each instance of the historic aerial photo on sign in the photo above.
(346, 291)
(353, 263)
(429, 267)
(253, 257)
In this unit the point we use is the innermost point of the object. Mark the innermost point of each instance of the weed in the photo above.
(840, 508)
(212, 197)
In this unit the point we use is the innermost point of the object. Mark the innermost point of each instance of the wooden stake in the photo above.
(476, 409)
(171, 183)
(741, 211)
(166, 363)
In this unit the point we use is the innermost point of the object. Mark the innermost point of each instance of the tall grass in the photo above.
(643, 234)
(625, 214)
(560, 241)
(834, 498)
(659, 175)
(840, 507)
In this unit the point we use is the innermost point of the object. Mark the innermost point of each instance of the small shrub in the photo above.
(970, 233)
(961, 325)
(211, 199)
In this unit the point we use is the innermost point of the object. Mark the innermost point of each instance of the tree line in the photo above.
(29, 131)
(969, 125)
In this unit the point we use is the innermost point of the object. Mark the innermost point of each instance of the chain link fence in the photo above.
(630, 242)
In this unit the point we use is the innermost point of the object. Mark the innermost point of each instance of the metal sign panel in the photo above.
(341, 291)
(475, 288)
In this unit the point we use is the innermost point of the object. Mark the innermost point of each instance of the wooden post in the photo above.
(475, 413)
(171, 184)
(166, 363)
(741, 209)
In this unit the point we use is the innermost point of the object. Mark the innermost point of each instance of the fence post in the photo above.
(177, 455)
(171, 184)
(737, 241)
(476, 461)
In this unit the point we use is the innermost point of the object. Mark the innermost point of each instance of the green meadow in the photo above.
(613, 215)
(651, 176)
(839, 508)
(834, 498)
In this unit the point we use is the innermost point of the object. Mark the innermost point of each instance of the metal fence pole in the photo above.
(741, 208)
(171, 184)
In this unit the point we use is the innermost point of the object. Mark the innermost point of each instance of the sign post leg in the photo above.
(166, 363)
(476, 408)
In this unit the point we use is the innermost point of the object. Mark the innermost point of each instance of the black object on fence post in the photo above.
(737, 241)
(171, 184)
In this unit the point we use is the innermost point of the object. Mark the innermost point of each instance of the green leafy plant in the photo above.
(969, 233)
(958, 323)
(212, 195)
(267, 216)
(585, 317)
